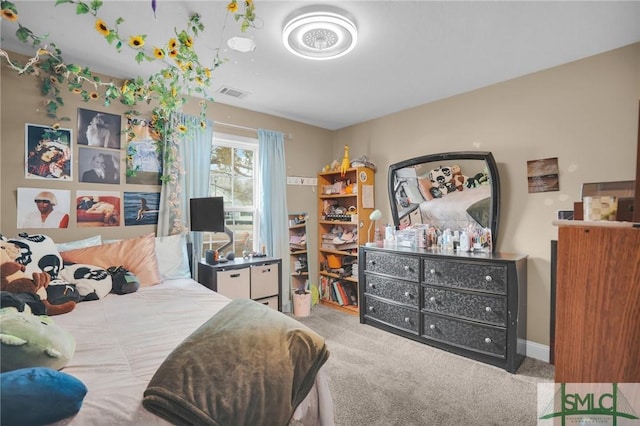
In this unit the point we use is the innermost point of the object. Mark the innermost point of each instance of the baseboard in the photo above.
(534, 350)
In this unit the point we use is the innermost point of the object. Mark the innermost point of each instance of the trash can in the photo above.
(302, 304)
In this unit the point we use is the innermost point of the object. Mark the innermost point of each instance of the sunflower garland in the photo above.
(186, 75)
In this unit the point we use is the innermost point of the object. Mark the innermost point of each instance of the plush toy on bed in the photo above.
(481, 178)
(14, 279)
(29, 340)
(442, 181)
(458, 179)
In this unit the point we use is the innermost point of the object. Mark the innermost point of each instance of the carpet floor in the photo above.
(377, 378)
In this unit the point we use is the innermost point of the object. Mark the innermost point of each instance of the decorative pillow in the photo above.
(173, 260)
(92, 282)
(38, 253)
(39, 396)
(87, 242)
(138, 255)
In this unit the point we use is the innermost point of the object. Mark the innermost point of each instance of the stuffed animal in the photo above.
(14, 280)
(458, 178)
(29, 340)
(441, 181)
(477, 180)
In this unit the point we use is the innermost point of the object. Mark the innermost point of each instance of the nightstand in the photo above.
(257, 278)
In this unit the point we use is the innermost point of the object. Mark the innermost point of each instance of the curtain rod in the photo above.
(250, 129)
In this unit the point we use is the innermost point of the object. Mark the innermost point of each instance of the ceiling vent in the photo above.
(230, 91)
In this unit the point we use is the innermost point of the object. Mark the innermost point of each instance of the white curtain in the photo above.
(186, 177)
(274, 231)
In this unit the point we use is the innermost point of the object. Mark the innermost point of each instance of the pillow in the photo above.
(38, 396)
(173, 260)
(138, 255)
(92, 282)
(87, 242)
(38, 253)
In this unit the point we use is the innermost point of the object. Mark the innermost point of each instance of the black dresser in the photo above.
(472, 304)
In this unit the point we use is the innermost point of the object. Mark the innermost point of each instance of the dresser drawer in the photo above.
(392, 289)
(474, 276)
(391, 314)
(486, 339)
(264, 281)
(475, 306)
(395, 265)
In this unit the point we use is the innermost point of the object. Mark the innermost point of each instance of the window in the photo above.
(234, 163)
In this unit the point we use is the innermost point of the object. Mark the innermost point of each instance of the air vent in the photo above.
(235, 93)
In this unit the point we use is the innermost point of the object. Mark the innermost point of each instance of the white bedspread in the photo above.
(121, 340)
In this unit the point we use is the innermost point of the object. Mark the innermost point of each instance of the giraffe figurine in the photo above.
(346, 163)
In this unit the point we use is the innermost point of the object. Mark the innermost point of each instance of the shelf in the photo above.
(337, 222)
(332, 275)
(300, 274)
(298, 252)
(344, 253)
(331, 196)
(350, 309)
(298, 226)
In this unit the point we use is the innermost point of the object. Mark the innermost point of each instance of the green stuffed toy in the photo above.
(29, 340)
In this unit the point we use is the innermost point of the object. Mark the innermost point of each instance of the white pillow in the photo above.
(173, 260)
(87, 242)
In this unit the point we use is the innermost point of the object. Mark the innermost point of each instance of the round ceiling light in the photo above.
(320, 34)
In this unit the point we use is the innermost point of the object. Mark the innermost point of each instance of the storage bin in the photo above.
(302, 304)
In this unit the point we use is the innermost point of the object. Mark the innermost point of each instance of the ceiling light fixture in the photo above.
(320, 32)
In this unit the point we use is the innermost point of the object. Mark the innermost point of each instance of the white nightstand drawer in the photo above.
(234, 283)
(264, 281)
(271, 302)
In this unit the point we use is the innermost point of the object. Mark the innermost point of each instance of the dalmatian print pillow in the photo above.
(38, 253)
(92, 282)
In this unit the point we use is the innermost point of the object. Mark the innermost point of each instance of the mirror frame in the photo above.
(451, 157)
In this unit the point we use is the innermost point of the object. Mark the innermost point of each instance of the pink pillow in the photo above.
(138, 255)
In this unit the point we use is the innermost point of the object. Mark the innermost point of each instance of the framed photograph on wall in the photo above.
(97, 208)
(99, 129)
(144, 159)
(98, 165)
(43, 208)
(141, 208)
(48, 152)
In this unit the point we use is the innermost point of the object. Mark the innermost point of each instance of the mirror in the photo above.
(453, 190)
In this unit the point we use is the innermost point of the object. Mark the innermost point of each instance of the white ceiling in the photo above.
(408, 53)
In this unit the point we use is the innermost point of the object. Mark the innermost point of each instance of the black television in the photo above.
(207, 214)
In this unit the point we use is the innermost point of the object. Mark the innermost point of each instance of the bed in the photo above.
(459, 209)
(124, 341)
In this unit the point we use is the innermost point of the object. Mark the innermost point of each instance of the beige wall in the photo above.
(585, 113)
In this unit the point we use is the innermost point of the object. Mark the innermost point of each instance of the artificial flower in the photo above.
(172, 44)
(102, 28)
(9, 15)
(182, 128)
(136, 41)
(77, 90)
(232, 7)
(158, 53)
(188, 42)
(94, 95)
(173, 53)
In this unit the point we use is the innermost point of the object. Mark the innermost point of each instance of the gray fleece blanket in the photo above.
(247, 365)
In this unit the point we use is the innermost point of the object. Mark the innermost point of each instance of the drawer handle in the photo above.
(407, 294)
(372, 285)
(407, 320)
(487, 340)
(432, 326)
(488, 278)
(234, 275)
(370, 308)
(488, 309)
(432, 271)
(406, 268)
(372, 262)
(432, 299)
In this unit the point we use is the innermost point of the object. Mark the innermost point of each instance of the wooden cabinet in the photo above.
(344, 206)
(299, 262)
(473, 304)
(254, 278)
(597, 336)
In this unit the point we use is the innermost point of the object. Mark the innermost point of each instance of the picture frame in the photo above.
(99, 129)
(98, 208)
(144, 159)
(33, 203)
(141, 208)
(48, 152)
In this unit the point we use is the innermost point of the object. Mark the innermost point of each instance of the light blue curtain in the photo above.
(274, 231)
(187, 177)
